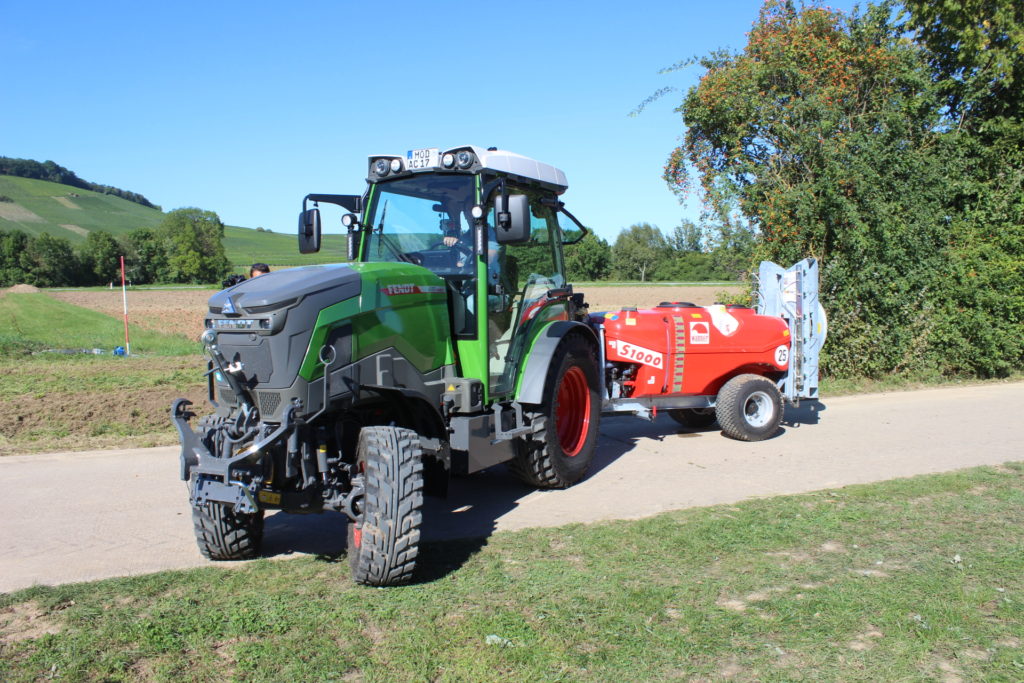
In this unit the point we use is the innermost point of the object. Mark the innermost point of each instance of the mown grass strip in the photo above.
(914, 579)
(39, 322)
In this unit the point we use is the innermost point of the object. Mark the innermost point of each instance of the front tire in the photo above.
(223, 534)
(562, 446)
(749, 408)
(384, 542)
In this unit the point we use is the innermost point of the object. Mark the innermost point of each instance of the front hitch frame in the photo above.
(213, 476)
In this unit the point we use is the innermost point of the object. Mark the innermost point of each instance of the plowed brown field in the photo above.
(181, 311)
(81, 410)
(174, 311)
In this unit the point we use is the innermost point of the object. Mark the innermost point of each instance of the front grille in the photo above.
(269, 402)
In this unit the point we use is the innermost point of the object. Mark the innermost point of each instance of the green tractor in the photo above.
(449, 343)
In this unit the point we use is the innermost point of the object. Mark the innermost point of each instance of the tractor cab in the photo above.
(488, 224)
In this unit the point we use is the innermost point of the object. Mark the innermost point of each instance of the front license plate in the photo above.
(421, 158)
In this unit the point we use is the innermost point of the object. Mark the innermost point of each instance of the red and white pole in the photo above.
(124, 296)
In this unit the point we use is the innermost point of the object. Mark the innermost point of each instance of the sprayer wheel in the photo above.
(749, 408)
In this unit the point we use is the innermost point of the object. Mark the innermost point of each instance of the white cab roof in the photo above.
(517, 164)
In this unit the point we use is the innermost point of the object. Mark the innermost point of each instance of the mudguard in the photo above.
(531, 382)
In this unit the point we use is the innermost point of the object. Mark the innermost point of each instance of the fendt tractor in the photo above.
(451, 342)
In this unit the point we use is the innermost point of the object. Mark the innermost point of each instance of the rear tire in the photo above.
(562, 445)
(223, 534)
(694, 418)
(384, 542)
(749, 408)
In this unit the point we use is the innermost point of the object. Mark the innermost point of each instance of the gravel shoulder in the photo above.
(83, 516)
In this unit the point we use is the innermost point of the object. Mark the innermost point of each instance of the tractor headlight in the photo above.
(464, 159)
(381, 167)
(396, 165)
(448, 160)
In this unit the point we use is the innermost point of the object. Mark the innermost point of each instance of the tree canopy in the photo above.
(55, 173)
(838, 137)
(193, 241)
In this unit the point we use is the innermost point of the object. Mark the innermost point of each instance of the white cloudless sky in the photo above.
(244, 108)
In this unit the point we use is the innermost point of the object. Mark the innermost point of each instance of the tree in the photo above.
(145, 258)
(192, 240)
(976, 51)
(100, 258)
(50, 261)
(824, 132)
(13, 245)
(639, 249)
(588, 259)
(687, 236)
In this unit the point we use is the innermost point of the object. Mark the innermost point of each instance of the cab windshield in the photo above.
(423, 219)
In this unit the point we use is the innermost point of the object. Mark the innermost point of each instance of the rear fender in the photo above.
(531, 381)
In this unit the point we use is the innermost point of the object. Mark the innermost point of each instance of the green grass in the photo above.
(119, 216)
(916, 579)
(97, 211)
(245, 247)
(39, 322)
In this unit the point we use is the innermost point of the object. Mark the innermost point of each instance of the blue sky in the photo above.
(243, 108)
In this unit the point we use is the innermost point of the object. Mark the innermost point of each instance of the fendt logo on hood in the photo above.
(400, 290)
(229, 307)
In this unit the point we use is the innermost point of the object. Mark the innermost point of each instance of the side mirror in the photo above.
(309, 231)
(513, 218)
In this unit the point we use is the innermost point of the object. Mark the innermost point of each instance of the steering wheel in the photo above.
(458, 246)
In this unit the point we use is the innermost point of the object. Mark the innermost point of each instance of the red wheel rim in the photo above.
(573, 411)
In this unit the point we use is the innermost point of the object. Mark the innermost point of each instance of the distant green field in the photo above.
(245, 247)
(40, 206)
(29, 324)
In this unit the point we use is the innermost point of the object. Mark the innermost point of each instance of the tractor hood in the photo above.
(265, 323)
(283, 288)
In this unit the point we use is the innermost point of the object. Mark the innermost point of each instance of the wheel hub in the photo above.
(573, 412)
(758, 409)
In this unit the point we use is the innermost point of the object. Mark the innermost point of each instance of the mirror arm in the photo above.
(352, 202)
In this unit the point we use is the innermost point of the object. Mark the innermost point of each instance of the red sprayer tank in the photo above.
(692, 350)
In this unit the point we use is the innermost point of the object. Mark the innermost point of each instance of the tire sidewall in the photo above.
(731, 410)
(576, 353)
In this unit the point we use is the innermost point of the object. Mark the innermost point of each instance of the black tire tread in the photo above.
(535, 462)
(729, 410)
(221, 534)
(392, 507)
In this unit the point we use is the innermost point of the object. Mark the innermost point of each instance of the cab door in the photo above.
(526, 288)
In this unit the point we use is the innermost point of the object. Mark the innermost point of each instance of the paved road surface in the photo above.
(82, 516)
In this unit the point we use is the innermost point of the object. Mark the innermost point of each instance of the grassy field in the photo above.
(55, 401)
(51, 402)
(917, 579)
(40, 206)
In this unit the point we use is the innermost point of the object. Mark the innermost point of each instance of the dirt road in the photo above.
(82, 516)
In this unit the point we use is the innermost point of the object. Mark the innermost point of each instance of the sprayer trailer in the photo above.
(451, 342)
